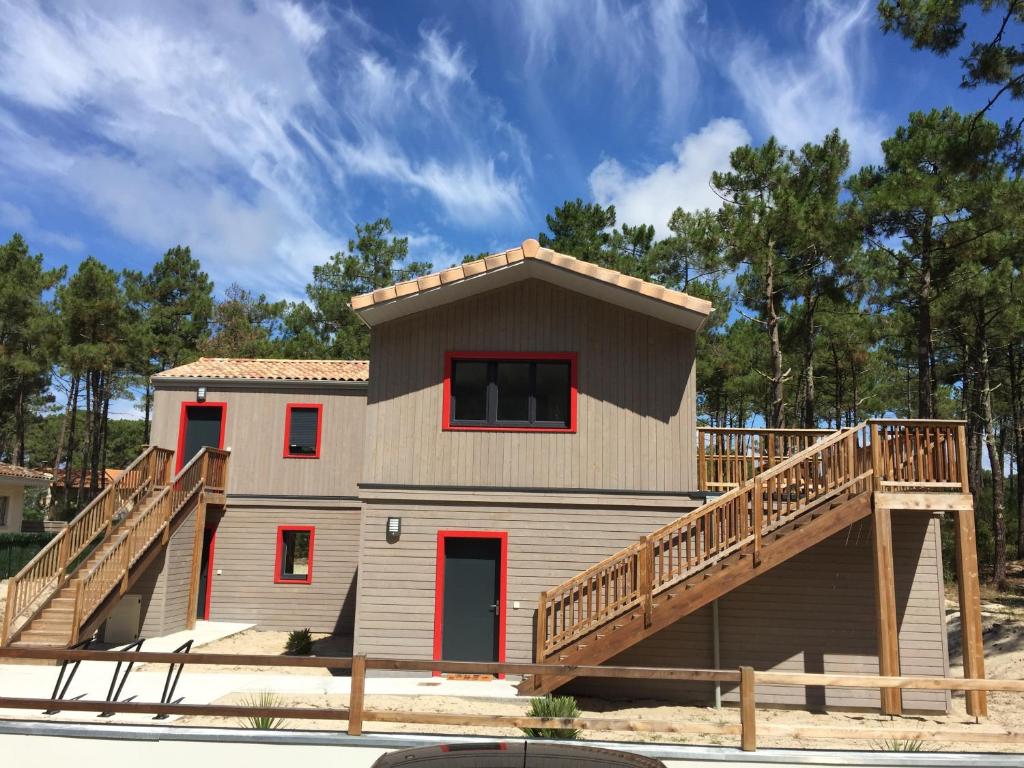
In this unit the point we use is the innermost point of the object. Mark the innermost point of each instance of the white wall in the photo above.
(16, 495)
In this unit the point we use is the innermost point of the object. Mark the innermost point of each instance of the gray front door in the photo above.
(202, 429)
(472, 568)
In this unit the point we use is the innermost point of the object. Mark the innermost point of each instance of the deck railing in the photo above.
(208, 468)
(879, 455)
(728, 457)
(49, 568)
(356, 714)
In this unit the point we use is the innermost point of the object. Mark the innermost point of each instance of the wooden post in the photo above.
(748, 710)
(76, 616)
(197, 557)
(12, 596)
(885, 604)
(758, 515)
(877, 470)
(970, 609)
(541, 629)
(645, 580)
(356, 694)
(702, 470)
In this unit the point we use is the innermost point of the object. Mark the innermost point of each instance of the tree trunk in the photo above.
(776, 415)
(69, 462)
(1018, 442)
(995, 458)
(19, 426)
(925, 374)
(86, 441)
(148, 407)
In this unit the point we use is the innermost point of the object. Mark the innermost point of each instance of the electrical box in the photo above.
(124, 622)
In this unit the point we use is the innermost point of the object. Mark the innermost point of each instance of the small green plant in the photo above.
(263, 700)
(553, 706)
(300, 643)
(900, 745)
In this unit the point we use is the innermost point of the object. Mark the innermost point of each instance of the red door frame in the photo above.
(209, 570)
(183, 422)
(442, 536)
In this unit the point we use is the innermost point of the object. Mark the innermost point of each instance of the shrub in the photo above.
(900, 745)
(300, 642)
(553, 706)
(265, 700)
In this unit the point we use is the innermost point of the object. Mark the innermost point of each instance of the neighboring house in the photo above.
(13, 482)
(520, 476)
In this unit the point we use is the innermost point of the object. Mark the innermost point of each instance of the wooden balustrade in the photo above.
(919, 454)
(728, 457)
(49, 568)
(155, 521)
(881, 454)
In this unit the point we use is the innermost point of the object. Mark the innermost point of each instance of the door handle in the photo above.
(496, 608)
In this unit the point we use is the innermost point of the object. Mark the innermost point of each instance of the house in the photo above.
(519, 475)
(13, 482)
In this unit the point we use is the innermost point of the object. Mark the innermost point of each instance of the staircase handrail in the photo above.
(730, 456)
(155, 520)
(633, 574)
(49, 567)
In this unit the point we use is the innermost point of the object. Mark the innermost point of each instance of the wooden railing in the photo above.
(742, 725)
(49, 568)
(728, 457)
(916, 454)
(208, 468)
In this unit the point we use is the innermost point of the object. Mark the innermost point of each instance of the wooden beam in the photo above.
(356, 694)
(929, 502)
(970, 609)
(885, 604)
(748, 711)
(197, 557)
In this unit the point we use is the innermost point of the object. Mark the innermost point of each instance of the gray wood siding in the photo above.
(545, 546)
(813, 613)
(165, 584)
(243, 568)
(255, 433)
(636, 396)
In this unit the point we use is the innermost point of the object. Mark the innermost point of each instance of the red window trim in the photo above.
(182, 421)
(209, 573)
(277, 556)
(288, 428)
(446, 407)
(442, 536)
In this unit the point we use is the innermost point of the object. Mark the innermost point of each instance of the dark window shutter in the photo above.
(302, 435)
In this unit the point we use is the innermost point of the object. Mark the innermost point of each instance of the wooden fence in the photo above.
(356, 714)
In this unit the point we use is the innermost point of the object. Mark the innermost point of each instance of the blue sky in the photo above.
(259, 132)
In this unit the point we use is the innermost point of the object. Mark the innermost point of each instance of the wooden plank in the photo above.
(968, 735)
(586, 723)
(970, 609)
(197, 556)
(885, 604)
(923, 501)
(153, 708)
(356, 694)
(748, 710)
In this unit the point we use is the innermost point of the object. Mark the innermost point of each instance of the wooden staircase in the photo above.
(73, 583)
(776, 507)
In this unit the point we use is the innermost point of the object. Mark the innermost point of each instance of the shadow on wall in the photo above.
(627, 360)
(817, 607)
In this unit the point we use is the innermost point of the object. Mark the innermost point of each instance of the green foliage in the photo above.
(16, 549)
(299, 643)
(580, 229)
(553, 706)
(373, 260)
(263, 700)
(244, 324)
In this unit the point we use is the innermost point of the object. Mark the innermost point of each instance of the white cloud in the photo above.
(647, 48)
(226, 126)
(20, 218)
(801, 98)
(650, 197)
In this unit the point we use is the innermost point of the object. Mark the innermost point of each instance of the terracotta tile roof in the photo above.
(21, 473)
(280, 370)
(531, 250)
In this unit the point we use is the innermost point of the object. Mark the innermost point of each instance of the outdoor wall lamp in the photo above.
(394, 529)
(201, 395)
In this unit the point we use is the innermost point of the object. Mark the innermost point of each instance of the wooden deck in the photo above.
(781, 493)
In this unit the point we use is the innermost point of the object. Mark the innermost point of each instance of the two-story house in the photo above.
(518, 474)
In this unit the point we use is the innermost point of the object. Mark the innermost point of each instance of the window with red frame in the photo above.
(302, 430)
(515, 392)
(293, 563)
